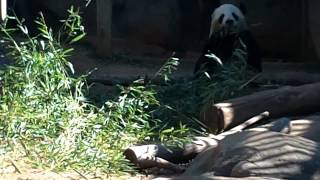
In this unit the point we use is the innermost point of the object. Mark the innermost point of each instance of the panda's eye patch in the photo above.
(221, 18)
(236, 17)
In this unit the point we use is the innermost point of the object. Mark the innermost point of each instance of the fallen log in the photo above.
(285, 101)
(158, 155)
(243, 126)
(145, 157)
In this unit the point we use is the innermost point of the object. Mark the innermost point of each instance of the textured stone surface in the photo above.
(267, 154)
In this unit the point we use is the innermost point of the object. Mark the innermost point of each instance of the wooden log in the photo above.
(285, 101)
(242, 126)
(157, 155)
(146, 157)
(104, 24)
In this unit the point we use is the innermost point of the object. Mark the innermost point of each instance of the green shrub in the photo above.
(43, 108)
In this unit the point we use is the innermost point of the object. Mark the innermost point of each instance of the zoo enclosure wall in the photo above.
(285, 29)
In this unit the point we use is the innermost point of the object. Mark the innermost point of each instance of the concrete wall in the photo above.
(276, 25)
(279, 25)
(314, 24)
(182, 25)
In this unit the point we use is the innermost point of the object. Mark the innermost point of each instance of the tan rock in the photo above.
(265, 154)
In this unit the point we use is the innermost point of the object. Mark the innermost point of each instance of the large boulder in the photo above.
(265, 154)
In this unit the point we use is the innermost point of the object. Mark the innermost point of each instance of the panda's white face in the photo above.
(227, 18)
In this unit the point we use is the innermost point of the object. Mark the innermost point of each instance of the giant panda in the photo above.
(228, 28)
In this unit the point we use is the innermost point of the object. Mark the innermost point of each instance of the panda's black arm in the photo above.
(199, 63)
(222, 47)
(203, 59)
(213, 45)
(253, 50)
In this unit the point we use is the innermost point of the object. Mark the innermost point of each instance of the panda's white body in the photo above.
(228, 18)
(228, 25)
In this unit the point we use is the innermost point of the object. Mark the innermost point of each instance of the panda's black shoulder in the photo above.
(253, 50)
(247, 35)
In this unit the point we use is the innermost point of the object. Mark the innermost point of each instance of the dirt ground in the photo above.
(47, 175)
(133, 59)
(122, 65)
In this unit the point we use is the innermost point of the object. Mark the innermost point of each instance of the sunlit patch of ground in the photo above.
(48, 175)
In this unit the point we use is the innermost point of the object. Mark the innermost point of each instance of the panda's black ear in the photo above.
(243, 8)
